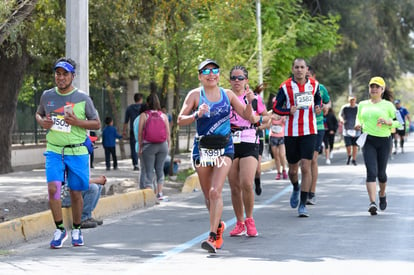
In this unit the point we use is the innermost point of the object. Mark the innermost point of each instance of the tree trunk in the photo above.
(12, 68)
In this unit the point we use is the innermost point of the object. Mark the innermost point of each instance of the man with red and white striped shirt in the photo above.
(299, 99)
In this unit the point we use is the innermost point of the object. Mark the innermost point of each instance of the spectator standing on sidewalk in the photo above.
(347, 116)
(376, 117)
(213, 150)
(109, 136)
(66, 113)
(299, 100)
(131, 113)
(154, 143)
(246, 153)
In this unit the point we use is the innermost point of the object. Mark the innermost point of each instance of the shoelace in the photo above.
(75, 234)
(57, 234)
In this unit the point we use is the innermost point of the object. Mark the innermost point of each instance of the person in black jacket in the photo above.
(331, 125)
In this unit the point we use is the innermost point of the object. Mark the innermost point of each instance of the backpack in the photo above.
(154, 129)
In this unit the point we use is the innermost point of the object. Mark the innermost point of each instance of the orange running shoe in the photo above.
(219, 237)
(209, 245)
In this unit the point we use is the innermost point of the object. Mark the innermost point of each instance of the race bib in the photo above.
(209, 156)
(351, 133)
(59, 124)
(304, 100)
(276, 129)
(237, 137)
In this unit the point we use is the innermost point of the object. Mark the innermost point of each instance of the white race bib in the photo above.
(59, 124)
(351, 133)
(276, 129)
(209, 156)
(237, 137)
(304, 100)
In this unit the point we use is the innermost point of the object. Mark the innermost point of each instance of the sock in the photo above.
(295, 186)
(303, 197)
(76, 226)
(59, 225)
(219, 224)
(214, 235)
(311, 195)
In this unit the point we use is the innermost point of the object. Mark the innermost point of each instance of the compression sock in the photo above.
(295, 186)
(59, 225)
(303, 197)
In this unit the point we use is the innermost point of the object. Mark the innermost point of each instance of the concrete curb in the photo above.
(35, 225)
(192, 182)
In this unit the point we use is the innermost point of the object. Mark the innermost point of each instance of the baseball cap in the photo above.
(377, 80)
(397, 101)
(66, 66)
(206, 62)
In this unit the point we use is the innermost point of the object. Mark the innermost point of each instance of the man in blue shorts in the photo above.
(66, 113)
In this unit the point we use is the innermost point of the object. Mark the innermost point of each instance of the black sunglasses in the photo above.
(239, 77)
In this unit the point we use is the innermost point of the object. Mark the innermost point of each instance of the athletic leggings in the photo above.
(376, 151)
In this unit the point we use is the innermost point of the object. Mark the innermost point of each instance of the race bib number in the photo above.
(304, 100)
(276, 129)
(59, 124)
(351, 133)
(237, 137)
(209, 156)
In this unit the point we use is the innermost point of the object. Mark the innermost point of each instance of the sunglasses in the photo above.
(239, 77)
(208, 71)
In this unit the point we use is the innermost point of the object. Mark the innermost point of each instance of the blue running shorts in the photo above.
(77, 168)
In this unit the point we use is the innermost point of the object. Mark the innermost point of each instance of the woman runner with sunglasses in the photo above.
(209, 106)
(246, 154)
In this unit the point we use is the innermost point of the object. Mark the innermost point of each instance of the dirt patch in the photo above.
(20, 208)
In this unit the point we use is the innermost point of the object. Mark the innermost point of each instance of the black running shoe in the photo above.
(258, 188)
(383, 202)
(373, 209)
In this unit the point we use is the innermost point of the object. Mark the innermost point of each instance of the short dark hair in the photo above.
(138, 97)
(108, 120)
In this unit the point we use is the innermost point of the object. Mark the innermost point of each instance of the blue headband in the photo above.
(65, 65)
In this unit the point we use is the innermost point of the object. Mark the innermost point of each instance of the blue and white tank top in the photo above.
(219, 121)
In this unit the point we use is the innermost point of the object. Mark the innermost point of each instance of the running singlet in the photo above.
(244, 131)
(217, 123)
(368, 114)
(62, 134)
(278, 127)
(304, 97)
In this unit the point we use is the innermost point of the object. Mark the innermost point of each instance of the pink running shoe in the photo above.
(285, 176)
(239, 230)
(278, 176)
(251, 227)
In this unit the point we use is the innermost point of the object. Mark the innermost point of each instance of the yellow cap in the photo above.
(377, 80)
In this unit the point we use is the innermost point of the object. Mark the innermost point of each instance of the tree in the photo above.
(13, 62)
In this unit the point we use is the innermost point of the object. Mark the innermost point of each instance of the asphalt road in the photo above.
(339, 237)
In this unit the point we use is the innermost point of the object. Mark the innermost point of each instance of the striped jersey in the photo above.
(305, 97)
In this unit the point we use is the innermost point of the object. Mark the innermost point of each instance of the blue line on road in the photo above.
(180, 248)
